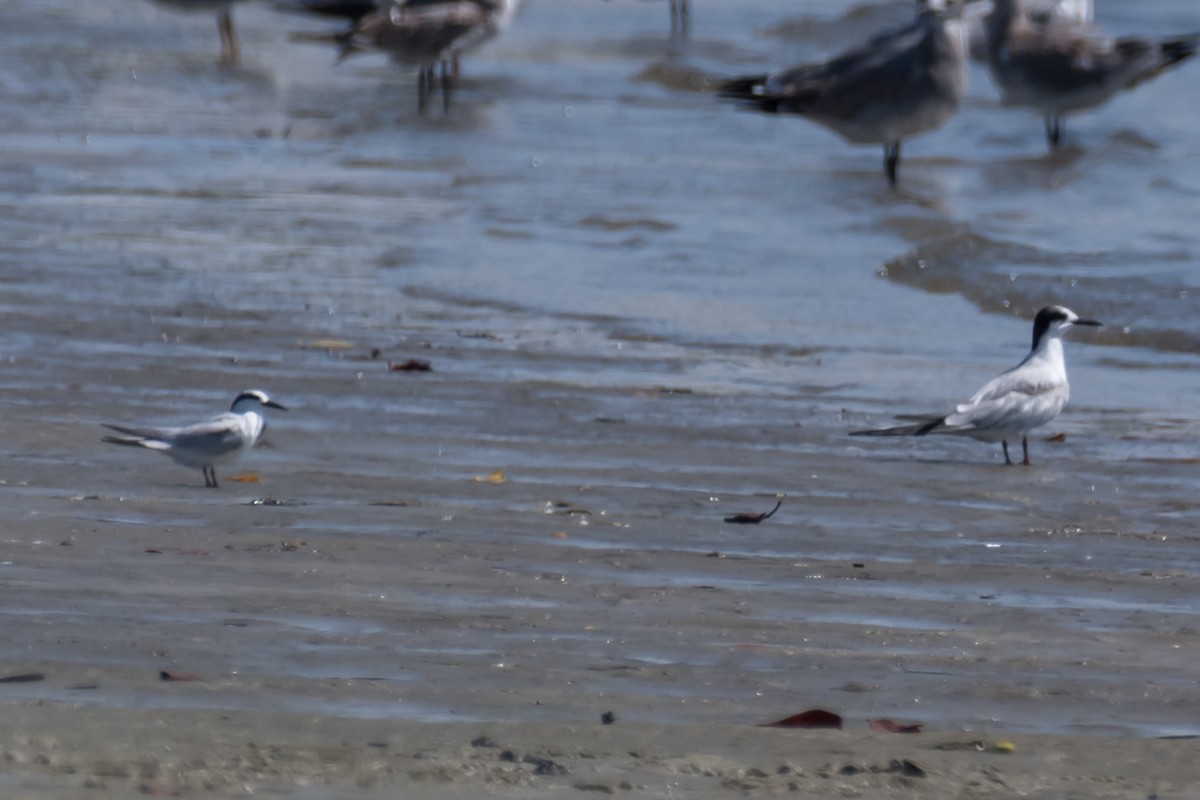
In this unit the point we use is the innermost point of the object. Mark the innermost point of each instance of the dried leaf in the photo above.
(23, 677)
(328, 344)
(245, 477)
(753, 519)
(412, 365)
(559, 534)
(813, 718)
(1058, 437)
(496, 477)
(891, 726)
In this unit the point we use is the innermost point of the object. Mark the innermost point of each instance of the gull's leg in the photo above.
(210, 477)
(422, 88)
(891, 160)
(230, 53)
(1025, 448)
(1007, 460)
(1053, 130)
(446, 86)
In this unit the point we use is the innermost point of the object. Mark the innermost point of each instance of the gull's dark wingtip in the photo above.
(748, 89)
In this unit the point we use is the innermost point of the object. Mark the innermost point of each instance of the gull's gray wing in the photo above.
(416, 34)
(1069, 59)
(796, 87)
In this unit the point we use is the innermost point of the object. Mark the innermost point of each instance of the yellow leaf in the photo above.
(559, 534)
(1004, 747)
(329, 344)
(496, 477)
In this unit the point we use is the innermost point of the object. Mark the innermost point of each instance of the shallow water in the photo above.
(651, 310)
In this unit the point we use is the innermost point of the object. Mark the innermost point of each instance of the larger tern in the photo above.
(218, 440)
(896, 85)
(1015, 402)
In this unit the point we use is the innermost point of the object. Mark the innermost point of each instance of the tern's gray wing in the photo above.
(1010, 402)
(209, 440)
(1021, 382)
(923, 424)
(150, 434)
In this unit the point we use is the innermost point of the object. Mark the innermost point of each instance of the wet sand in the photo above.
(377, 612)
(359, 617)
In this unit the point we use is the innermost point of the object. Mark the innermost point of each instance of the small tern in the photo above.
(1064, 65)
(1013, 403)
(218, 440)
(898, 84)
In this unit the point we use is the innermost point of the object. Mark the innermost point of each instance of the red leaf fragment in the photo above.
(891, 726)
(813, 718)
(412, 365)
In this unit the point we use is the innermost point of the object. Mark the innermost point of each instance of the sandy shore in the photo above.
(436, 583)
(374, 601)
(53, 752)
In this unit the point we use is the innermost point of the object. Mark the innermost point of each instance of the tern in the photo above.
(1064, 66)
(895, 86)
(1015, 402)
(218, 440)
(230, 53)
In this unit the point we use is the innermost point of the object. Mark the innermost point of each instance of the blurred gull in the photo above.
(230, 53)
(894, 86)
(353, 10)
(428, 33)
(1063, 66)
(1013, 403)
(1039, 12)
